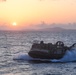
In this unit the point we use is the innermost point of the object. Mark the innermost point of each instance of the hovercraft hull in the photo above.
(44, 54)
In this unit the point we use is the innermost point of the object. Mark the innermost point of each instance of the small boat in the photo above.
(48, 51)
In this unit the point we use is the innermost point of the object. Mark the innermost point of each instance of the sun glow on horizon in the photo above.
(27, 14)
(14, 24)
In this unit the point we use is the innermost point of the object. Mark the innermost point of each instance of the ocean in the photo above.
(16, 44)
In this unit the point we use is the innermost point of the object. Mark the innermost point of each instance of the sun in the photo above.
(14, 24)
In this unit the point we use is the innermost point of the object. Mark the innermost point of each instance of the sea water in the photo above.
(16, 45)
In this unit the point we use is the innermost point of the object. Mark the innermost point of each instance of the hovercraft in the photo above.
(48, 50)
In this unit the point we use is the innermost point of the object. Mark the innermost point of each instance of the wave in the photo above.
(70, 56)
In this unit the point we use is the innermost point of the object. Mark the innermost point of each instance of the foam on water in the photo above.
(22, 56)
(69, 56)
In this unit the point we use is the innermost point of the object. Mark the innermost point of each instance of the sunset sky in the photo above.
(26, 14)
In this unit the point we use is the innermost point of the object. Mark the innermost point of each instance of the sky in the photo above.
(29, 14)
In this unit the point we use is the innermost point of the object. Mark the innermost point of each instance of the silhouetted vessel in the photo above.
(48, 51)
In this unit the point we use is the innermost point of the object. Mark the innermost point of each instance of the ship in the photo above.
(48, 50)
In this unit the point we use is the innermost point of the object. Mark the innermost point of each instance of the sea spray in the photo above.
(22, 56)
(69, 56)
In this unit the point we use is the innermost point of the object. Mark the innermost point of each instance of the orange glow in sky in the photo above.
(28, 12)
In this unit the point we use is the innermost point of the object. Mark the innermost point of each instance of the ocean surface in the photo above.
(16, 44)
